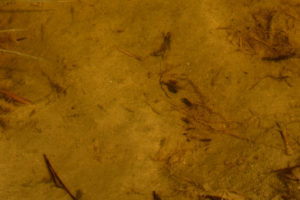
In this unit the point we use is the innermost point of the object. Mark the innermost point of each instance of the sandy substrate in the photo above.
(149, 99)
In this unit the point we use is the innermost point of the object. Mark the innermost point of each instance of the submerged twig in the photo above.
(57, 181)
(212, 197)
(11, 30)
(164, 47)
(155, 196)
(278, 78)
(24, 10)
(129, 54)
(282, 131)
(287, 173)
(20, 54)
(14, 97)
(279, 57)
(54, 85)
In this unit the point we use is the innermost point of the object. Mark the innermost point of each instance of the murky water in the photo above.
(149, 99)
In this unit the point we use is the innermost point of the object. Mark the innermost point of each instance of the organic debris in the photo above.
(164, 47)
(9, 96)
(265, 32)
(282, 131)
(56, 180)
(139, 58)
(290, 177)
(193, 105)
(155, 196)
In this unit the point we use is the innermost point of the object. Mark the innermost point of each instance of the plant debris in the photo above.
(155, 196)
(282, 131)
(139, 58)
(164, 47)
(265, 32)
(9, 96)
(56, 180)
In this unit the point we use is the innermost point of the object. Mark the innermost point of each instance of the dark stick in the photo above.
(155, 196)
(50, 169)
(279, 58)
(57, 181)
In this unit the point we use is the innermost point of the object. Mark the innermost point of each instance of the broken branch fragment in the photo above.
(282, 131)
(57, 181)
(164, 47)
(11, 96)
(129, 54)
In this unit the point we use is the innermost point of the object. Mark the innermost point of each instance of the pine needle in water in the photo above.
(11, 30)
(20, 54)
